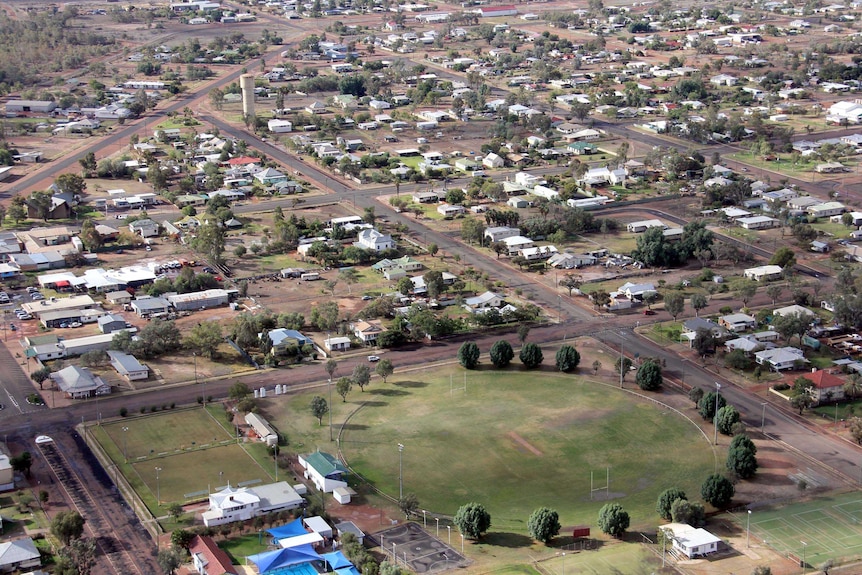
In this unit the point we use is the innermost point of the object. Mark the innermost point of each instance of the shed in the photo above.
(343, 494)
(350, 527)
(128, 366)
(318, 525)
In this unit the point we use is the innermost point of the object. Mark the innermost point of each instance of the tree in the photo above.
(648, 376)
(238, 391)
(319, 408)
(717, 490)
(349, 276)
(168, 560)
(384, 369)
(325, 316)
(703, 341)
(204, 338)
(774, 292)
(783, 257)
(707, 405)
(674, 304)
(343, 387)
(613, 520)
(695, 394)
(543, 524)
(741, 457)
(762, 570)
(568, 358)
(737, 359)
(409, 504)
(501, 354)
(175, 510)
(17, 212)
(622, 366)
(725, 419)
(72, 184)
(801, 402)
(89, 236)
(745, 290)
(597, 365)
(683, 511)
(523, 332)
(531, 355)
(698, 302)
(665, 501)
(210, 241)
(81, 556)
(433, 249)
(472, 520)
(331, 366)
(468, 355)
(361, 376)
(40, 375)
(67, 525)
(181, 538)
(22, 463)
(41, 203)
(571, 282)
(789, 325)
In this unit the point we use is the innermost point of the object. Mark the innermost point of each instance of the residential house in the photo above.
(538, 253)
(828, 387)
(690, 328)
(747, 343)
(691, 542)
(241, 504)
(148, 306)
(764, 273)
(367, 331)
(737, 322)
(493, 161)
(449, 211)
(794, 310)
(209, 559)
(128, 366)
(77, 382)
(569, 261)
(109, 323)
(515, 244)
(636, 292)
(270, 177)
(644, 225)
(484, 300)
(283, 338)
(826, 209)
(146, 228)
(781, 358)
(337, 343)
(371, 239)
(324, 470)
(19, 554)
(758, 222)
(499, 233)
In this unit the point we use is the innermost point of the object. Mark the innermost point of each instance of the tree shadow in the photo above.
(354, 427)
(388, 392)
(411, 384)
(510, 540)
(375, 403)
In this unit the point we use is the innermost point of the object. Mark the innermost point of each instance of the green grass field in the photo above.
(193, 450)
(831, 527)
(517, 441)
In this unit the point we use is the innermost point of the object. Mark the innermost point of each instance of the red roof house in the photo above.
(243, 161)
(209, 559)
(827, 386)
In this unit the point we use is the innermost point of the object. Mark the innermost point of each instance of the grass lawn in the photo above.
(487, 445)
(166, 433)
(612, 558)
(835, 229)
(846, 410)
(241, 547)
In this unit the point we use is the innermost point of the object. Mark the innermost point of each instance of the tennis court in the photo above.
(411, 546)
(828, 527)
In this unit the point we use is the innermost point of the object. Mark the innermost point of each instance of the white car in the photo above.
(373, 358)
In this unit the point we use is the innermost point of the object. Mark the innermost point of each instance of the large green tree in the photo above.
(361, 376)
(531, 355)
(674, 303)
(468, 355)
(666, 499)
(707, 405)
(726, 418)
(384, 369)
(742, 457)
(343, 386)
(613, 519)
(543, 524)
(649, 377)
(717, 490)
(472, 520)
(67, 525)
(568, 358)
(204, 338)
(319, 408)
(501, 353)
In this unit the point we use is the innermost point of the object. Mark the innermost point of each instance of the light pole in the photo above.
(762, 415)
(424, 520)
(462, 545)
(400, 472)
(804, 545)
(329, 385)
(204, 394)
(158, 487)
(622, 360)
(564, 564)
(437, 519)
(715, 415)
(125, 452)
(748, 530)
(449, 529)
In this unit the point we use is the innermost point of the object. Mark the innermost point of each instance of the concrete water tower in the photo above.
(246, 84)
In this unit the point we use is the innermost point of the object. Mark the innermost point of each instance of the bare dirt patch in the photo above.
(523, 443)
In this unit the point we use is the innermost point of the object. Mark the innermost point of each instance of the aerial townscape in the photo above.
(390, 287)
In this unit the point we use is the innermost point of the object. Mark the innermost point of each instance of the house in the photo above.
(448, 211)
(200, 300)
(19, 554)
(758, 222)
(277, 126)
(690, 328)
(261, 427)
(517, 203)
(270, 177)
(111, 322)
(425, 198)
(324, 470)
(148, 306)
(367, 331)
(691, 542)
(826, 209)
(737, 322)
(820, 247)
(828, 387)
(337, 343)
(569, 261)
(244, 503)
(794, 310)
(499, 233)
(316, 108)
(283, 338)
(118, 297)
(493, 161)
(484, 300)
(764, 273)
(515, 244)
(208, 558)
(644, 225)
(128, 366)
(538, 253)
(145, 228)
(748, 344)
(636, 292)
(59, 209)
(780, 358)
(77, 382)
(371, 239)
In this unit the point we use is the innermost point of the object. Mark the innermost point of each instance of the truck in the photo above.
(310, 277)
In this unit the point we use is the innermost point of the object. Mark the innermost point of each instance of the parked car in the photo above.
(208, 270)
(75, 324)
(373, 358)
(366, 297)
(649, 312)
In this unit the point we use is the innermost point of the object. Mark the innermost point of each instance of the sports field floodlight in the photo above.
(804, 545)
(158, 487)
(748, 530)
(125, 452)
(715, 415)
(400, 472)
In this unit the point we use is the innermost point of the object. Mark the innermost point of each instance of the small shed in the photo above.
(350, 527)
(318, 525)
(343, 494)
